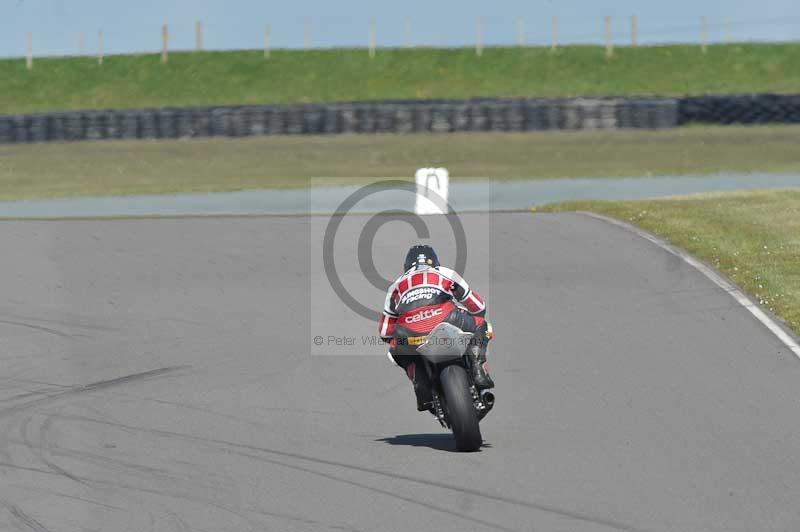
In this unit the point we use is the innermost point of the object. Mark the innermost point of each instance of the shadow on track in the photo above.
(437, 441)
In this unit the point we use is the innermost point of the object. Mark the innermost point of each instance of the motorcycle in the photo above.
(457, 403)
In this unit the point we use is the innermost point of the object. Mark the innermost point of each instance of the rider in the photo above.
(424, 296)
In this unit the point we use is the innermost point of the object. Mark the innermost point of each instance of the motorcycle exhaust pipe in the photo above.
(488, 398)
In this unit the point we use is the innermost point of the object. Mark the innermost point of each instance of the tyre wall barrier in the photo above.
(434, 116)
(746, 109)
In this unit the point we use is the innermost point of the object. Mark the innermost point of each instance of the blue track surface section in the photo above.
(473, 195)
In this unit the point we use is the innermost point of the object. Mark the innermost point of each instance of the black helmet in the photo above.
(421, 255)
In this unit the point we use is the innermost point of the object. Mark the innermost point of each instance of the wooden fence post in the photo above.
(704, 34)
(164, 43)
(554, 43)
(198, 35)
(609, 38)
(408, 43)
(267, 35)
(372, 38)
(634, 31)
(520, 32)
(479, 36)
(29, 51)
(307, 36)
(100, 47)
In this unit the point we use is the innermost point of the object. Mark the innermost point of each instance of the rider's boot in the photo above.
(479, 366)
(422, 386)
(477, 354)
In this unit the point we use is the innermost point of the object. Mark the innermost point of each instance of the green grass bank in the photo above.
(219, 164)
(752, 237)
(245, 77)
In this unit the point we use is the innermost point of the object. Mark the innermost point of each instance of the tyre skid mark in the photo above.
(44, 329)
(55, 493)
(47, 397)
(232, 417)
(86, 388)
(33, 381)
(492, 526)
(578, 516)
(53, 469)
(161, 493)
(59, 472)
(25, 395)
(61, 322)
(42, 448)
(88, 481)
(26, 520)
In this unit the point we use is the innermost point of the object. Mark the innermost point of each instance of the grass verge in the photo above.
(245, 77)
(752, 237)
(203, 165)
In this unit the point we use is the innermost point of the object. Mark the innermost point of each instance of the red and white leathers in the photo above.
(423, 297)
(418, 301)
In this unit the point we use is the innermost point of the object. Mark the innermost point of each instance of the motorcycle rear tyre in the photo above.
(460, 409)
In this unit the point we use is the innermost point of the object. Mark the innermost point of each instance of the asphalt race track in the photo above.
(160, 375)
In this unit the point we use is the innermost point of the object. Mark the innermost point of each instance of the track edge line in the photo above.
(717, 278)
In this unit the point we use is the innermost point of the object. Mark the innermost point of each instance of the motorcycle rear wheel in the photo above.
(460, 409)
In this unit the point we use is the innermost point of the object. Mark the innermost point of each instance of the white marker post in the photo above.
(727, 23)
(479, 36)
(198, 35)
(29, 51)
(164, 44)
(372, 38)
(704, 34)
(433, 185)
(100, 47)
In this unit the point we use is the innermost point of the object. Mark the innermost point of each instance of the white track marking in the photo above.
(715, 277)
(433, 185)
